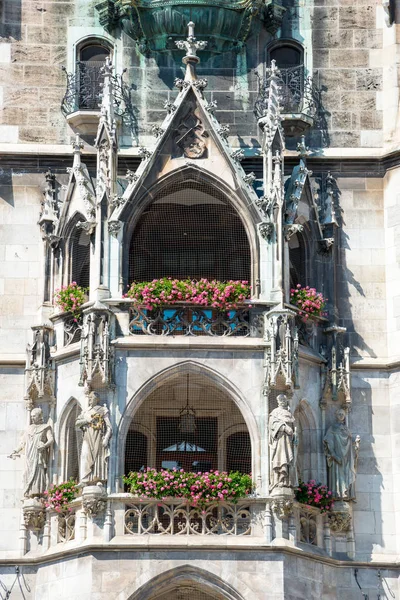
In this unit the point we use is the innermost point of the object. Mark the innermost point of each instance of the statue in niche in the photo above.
(36, 444)
(282, 445)
(190, 135)
(342, 455)
(97, 431)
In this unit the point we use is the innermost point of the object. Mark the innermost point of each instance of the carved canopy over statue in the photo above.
(281, 442)
(36, 444)
(341, 454)
(96, 427)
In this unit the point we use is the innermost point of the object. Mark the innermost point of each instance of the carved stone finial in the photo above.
(191, 45)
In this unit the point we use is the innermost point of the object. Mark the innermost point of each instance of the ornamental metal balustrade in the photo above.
(85, 88)
(189, 320)
(298, 94)
(178, 517)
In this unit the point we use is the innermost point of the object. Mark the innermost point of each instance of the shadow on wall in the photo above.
(10, 19)
(345, 279)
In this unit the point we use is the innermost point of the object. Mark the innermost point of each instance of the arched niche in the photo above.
(307, 436)
(76, 253)
(156, 412)
(70, 441)
(189, 224)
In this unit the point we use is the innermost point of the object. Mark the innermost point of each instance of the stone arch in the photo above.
(186, 574)
(76, 252)
(69, 441)
(308, 436)
(247, 214)
(183, 368)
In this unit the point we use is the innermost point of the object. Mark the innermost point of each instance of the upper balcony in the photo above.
(81, 103)
(298, 99)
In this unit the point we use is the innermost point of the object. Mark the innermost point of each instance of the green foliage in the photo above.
(70, 298)
(58, 497)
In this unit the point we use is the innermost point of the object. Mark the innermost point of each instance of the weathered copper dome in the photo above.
(156, 24)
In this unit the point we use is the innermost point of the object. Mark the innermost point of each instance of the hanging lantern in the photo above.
(187, 416)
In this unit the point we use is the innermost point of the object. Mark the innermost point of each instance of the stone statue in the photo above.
(342, 455)
(36, 444)
(97, 431)
(281, 442)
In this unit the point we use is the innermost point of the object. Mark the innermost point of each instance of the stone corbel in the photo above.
(94, 500)
(87, 226)
(290, 230)
(114, 227)
(325, 245)
(34, 514)
(282, 508)
(339, 522)
(266, 230)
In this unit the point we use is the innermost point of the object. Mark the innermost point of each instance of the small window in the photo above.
(286, 56)
(89, 72)
(80, 258)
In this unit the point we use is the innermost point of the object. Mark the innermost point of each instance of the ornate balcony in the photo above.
(81, 102)
(298, 99)
(189, 320)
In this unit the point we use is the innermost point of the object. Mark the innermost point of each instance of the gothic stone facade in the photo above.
(215, 139)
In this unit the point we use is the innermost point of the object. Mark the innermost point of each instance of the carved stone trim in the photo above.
(339, 522)
(282, 508)
(114, 227)
(249, 178)
(266, 230)
(94, 506)
(144, 153)
(237, 155)
(290, 230)
(157, 131)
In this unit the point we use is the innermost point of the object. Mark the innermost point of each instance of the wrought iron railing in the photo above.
(85, 88)
(189, 320)
(298, 93)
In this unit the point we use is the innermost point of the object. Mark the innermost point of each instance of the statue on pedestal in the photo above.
(281, 442)
(342, 455)
(36, 444)
(97, 431)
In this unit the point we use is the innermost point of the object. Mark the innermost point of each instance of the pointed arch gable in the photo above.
(210, 583)
(183, 368)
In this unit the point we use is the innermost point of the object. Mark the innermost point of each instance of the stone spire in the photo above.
(191, 45)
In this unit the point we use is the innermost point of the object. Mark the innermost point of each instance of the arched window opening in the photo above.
(307, 445)
(79, 257)
(73, 443)
(238, 452)
(289, 58)
(297, 260)
(188, 420)
(186, 592)
(91, 58)
(190, 231)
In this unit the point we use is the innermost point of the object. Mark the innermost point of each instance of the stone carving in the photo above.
(290, 230)
(266, 230)
(191, 44)
(49, 210)
(237, 156)
(249, 178)
(131, 176)
(94, 500)
(144, 153)
(181, 84)
(282, 508)
(308, 527)
(96, 356)
(281, 356)
(325, 245)
(114, 227)
(190, 135)
(157, 131)
(169, 107)
(88, 226)
(34, 514)
(211, 106)
(97, 431)
(224, 131)
(342, 455)
(281, 442)
(39, 374)
(36, 444)
(200, 84)
(339, 522)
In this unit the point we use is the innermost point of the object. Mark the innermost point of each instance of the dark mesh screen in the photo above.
(297, 260)
(189, 231)
(80, 256)
(185, 592)
(73, 444)
(187, 424)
